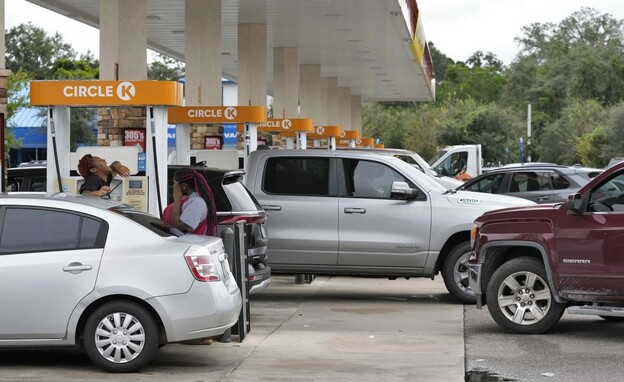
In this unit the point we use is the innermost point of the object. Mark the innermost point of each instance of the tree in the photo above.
(480, 77)
(613, 143)
(34, 55)
(440, 62)
(566, 140)
(496, 128)
(165, 68)
(31, 49)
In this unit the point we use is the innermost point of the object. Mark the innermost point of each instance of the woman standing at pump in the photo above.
(193, 209)
(98, 175)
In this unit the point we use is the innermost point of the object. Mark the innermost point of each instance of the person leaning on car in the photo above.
(98, 175)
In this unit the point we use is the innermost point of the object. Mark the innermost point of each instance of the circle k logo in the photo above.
(320, 130)
(126, 91)
(343, 134)
(230, 113)
(286, 124)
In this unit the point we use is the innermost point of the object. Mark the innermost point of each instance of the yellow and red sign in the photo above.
(105, 93)
(217, 114)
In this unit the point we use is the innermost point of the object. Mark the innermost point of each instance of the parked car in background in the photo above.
(235, 204)
(418, 162)
(26, 178)
(541, 183)
(108, 278)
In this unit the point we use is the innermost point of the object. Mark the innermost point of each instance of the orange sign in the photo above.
(284, 124)
(367, 142)
(350, 134)
(105, 93)
(217, 114)
(325, 132)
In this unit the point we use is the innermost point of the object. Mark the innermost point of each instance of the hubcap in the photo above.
(460, 274)
(119, 337)
(524, 298)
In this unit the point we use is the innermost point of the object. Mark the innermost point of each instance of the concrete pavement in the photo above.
(334, 329)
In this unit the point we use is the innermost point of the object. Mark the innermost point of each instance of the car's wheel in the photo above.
(121, 337)
(519, 298)
(455, 274)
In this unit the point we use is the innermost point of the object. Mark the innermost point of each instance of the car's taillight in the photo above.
(201, 265)
(246, 218)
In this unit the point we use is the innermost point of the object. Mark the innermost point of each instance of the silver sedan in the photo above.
(81, 271)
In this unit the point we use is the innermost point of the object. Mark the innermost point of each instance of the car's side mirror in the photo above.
(402, 190)
(575, 203)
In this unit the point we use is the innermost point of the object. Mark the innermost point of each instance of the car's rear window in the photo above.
(146, 220)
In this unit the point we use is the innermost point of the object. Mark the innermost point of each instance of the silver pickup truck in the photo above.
(357, 213)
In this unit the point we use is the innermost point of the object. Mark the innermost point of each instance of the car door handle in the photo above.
(272, 208)
(542, 198)
(76, 268)
(355, 210)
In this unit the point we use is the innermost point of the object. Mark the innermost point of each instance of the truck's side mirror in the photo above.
(402, 190)
(575, 203)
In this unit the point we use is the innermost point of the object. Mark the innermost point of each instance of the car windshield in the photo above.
(148, 221)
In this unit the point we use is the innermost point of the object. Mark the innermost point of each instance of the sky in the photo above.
(458, 28)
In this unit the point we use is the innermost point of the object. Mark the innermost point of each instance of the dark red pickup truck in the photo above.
(529, 264)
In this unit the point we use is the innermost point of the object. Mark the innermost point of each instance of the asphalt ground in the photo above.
(334, 329)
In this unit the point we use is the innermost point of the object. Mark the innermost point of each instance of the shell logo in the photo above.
(126, 91)
(286, 124)
(320, 130)
(230, 113)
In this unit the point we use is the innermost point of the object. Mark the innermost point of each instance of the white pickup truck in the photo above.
(350, 212)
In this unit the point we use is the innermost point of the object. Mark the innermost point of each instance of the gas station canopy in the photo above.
(377, 48)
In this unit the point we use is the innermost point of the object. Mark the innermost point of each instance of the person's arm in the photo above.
(93, 187)
(99, 193)
(120, 169)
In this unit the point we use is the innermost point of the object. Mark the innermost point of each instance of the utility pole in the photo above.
(528, 142)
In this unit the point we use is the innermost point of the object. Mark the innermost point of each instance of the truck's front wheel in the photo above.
(520, 300)
(455, 274)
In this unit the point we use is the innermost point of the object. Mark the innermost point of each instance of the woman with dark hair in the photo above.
(98, 175)
(193, 209)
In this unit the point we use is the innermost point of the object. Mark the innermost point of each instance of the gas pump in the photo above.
(145, 192)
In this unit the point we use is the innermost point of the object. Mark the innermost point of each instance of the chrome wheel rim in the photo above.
(524, 298)
(460, 274)
(120, 337)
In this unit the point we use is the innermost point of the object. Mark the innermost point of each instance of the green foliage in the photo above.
(388, 123)
(571, 72)
(495, 127)
(480, 78)
(614, 134)
(31, 49)
(165, 68)
(34, 55)
(565, 140)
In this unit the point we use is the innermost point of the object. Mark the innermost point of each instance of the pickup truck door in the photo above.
(298, 194)
(375, 230)
(590, 247)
